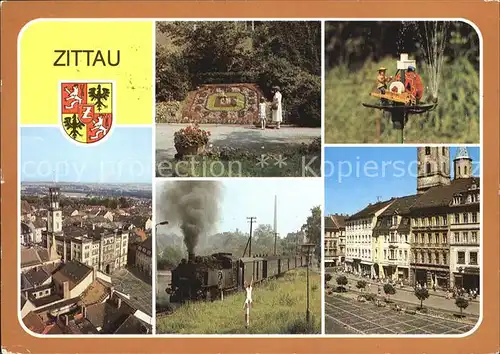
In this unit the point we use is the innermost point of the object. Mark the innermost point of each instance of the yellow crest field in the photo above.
(55, 51)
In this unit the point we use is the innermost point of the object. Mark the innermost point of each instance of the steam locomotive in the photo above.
(204, 278)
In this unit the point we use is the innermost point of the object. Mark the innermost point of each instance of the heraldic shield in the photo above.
(87, 110)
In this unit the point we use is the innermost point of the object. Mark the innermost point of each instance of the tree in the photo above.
(462, 303)
(342, 282)
(422, 294)
(361, 285)
(389, 290)
(123, 202)
(312, 229)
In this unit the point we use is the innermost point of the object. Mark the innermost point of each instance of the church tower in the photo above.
(433, 167)
(54, 222)
(54, 214)
(462, 164)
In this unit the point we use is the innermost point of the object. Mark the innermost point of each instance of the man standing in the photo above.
(248, 301)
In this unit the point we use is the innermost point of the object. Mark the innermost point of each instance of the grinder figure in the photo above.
(382, 81)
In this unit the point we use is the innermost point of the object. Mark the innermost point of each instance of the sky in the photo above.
(244, 198)
(357, 176)
(49, 156)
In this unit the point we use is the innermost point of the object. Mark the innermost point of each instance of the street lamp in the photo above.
(307, 249)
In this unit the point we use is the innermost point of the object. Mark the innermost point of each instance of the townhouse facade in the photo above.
(359, 231)
(391, 241)
(335, 240)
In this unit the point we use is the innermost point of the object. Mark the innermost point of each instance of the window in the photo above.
(456, 237)
(385, 254)
(473, 258)
(428, 168)
(457, 219)
(465, 237)
(466, 218)
(445, 260)
(465, 170)
(444, 167)
(427, 150)
(429, 257)
(445, 239)
(461, 257)
(474, 237)
(459, 170)
(406, 255)
(474, 218)
(443, 151)
(394, 220)
(445, 220)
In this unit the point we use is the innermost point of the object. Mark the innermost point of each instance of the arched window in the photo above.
(427, 150)
(428, 168)
(465, 170)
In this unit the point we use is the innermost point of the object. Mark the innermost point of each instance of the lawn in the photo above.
(284, 161)
(279, 308)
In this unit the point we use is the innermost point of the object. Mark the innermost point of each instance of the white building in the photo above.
(392, 239)
(359, 231)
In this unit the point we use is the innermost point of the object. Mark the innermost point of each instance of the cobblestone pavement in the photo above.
(344, 316)
(140, 292)
(236, 136)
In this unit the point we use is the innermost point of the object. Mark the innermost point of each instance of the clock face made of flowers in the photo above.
(224, 104)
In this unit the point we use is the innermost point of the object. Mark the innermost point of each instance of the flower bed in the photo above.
(222, 104)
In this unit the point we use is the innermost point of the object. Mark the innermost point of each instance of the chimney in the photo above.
(66, 293)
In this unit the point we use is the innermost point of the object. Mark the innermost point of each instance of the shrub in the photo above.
(361, 285)
(191, 136)
(342, 282)
(462, 303)
(389, 290)
(422, 294)
(370, 297)
(328, 277)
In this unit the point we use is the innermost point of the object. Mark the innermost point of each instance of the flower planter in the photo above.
(189, 150)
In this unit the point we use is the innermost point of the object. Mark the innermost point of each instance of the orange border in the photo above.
(484, 14)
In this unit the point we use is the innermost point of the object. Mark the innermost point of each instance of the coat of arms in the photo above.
(87, 110)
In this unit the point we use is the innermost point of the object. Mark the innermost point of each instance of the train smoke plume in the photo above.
(193, 205)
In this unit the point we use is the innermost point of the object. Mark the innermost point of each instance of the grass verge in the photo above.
(290, 161)
(279, 308)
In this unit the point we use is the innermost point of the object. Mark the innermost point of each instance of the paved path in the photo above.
(236, 136)
(437, 302)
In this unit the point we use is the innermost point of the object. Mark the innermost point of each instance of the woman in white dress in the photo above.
(277, 115)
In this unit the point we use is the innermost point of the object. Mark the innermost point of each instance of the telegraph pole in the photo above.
(251, 219)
